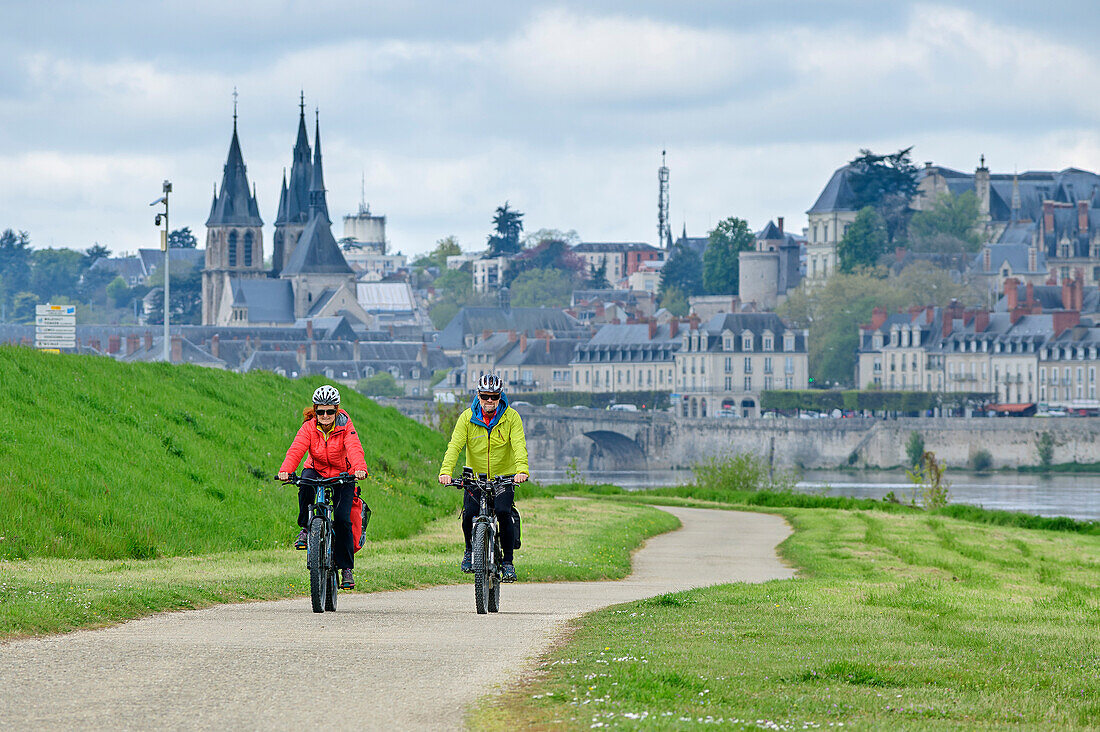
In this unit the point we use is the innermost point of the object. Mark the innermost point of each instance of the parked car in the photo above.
(728, 414)
(623, 407)
(515, 404)
(551, 405)
(575, 406)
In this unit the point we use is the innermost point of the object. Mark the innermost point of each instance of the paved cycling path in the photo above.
(394, 660)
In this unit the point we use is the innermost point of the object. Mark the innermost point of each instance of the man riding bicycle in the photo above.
(492, 433)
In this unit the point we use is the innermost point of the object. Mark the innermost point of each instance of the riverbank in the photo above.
(897, 619)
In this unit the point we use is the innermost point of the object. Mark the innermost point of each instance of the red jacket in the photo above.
(337, 453)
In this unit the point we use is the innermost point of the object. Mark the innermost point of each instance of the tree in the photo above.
(720, 263)
(864, 242)
(683, 270)
(382, 384)
(675, 301)
(182, 239)
(15, 265)
(118, 292)
(55, 272)
(547, 254)
(571, 237)
(507, 227)
(23, 307)
(536, 288)
(914, 448)
(948, 225)
(597, 277)
(186, 295)
(94, 253)
(887, 183)
(445, 247)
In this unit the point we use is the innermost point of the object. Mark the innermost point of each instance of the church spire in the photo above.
(236, 204)
(317, 203)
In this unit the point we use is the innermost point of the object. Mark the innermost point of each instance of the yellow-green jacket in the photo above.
(494, 448)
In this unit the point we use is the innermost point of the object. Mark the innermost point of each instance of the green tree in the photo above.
(914, 448)
(186, 292)
(507, 227)
(923, 283)
(94, 253)
(948, 225)
(445, 247)
(22, 307)
(1045, 449)
(542, 288)
(887, 183)
(597, 277)
(571, 237)
(382, 384)
(547, 254)
(683, 270)
(15, 265)
(55, 272)
(720, 263)
(118, 292)
(675, 301)
(864, 242)
(182, 239)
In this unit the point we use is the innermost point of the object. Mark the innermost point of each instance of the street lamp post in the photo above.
(164, 248)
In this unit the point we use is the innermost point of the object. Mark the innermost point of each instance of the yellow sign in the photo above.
(50, 350)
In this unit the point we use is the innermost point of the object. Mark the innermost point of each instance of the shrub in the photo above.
(742, 472)
(914, 449)
(929, 482)
(381, 384)
(1045, 449)
(981, 461)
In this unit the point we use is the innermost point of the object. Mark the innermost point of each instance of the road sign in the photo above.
(55, 309)
(54, 342)
(55, 320)
(67, 331)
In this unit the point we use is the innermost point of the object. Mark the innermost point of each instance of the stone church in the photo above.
(308, 277)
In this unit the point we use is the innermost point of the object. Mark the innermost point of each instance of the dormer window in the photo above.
(746, 342)
(788, 342)
(876, 341)
(768, 342)
(894, 337)
(727, 344)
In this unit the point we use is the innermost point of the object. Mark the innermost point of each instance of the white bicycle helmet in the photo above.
(326, 395)
(490, 384)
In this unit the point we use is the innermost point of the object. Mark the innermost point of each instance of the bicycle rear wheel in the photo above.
(315, 560)
(482, 581)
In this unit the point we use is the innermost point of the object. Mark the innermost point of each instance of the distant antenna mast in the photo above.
(363, 208)
(664, 233)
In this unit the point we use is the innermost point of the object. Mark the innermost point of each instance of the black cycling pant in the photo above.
(502, 506)
(344, 494)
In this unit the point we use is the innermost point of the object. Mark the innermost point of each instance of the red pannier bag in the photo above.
(360, 517)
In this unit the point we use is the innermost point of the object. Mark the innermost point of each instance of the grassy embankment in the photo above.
(898, 619)
(129, 489)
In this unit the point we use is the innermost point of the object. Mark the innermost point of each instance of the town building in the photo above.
(771, 270)
(724, 364)
(488, 273)
(619, 258)
(829, 218)
(622, 358)
(527, 364)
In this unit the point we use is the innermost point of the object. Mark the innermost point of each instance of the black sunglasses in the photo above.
(489, 397)
(326, 411)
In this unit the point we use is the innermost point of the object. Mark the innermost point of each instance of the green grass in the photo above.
(104, 460)
(898, 620)
(562, 540)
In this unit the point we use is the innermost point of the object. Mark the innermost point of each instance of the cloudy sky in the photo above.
(448, 109)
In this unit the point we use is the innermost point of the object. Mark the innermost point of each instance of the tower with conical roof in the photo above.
(316, 267)
(234, 232)
(293, 214)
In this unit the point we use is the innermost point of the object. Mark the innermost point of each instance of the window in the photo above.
(1043, 375)
(232, 249)
(748, 383)
(746, 342)
(729, 383)
(248, 249)
(748, 365)
(767, 365)
(767, 383)
(768, 343)
(788, 365)
(788, 382)
(729, 365)
(788, 342)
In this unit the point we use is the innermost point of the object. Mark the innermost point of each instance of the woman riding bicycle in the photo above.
(492, 433)
(333, 447)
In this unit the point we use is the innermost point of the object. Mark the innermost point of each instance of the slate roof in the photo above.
(629, 343)
(613, 247)
(1015, 255)
(236, 204)
(268, 300)
(838, 194)
(131, 269)
(1050, 297)
(522, 320)
(560, 353)
(294, 202)
(757, 323)
(190, 353)
(152, 259)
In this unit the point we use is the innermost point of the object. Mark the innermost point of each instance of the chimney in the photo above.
(987, 259)
(114, 344)
(484, 334)
(422, 356)
(301, 359)
(673, 327)
(309, 329)
(948, 323)
(1079, 291)
(547, 339)
(913, 310)
(1048, 217)
(148, 340)
(981, 321)
(1030, 288)
(1063, 320)
(1032, 259)
(1012, 292)
(215, 345)
(522, 340)
(132, 342)
(981, 185)
(878, 317)
(512, 336)
(929, 314)
(779, 223)
(177, 349)
(652, 328)
(356, 351)
(1067, 295)
(1016, 313)
(313, 350)
(94, 343)
(1083, 217)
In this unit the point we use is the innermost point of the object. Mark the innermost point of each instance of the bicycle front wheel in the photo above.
(315, 560)
(482, 580)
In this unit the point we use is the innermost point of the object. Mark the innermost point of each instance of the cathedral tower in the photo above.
(293, 213)
(234, 233)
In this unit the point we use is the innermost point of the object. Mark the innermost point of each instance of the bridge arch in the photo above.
(614, 451)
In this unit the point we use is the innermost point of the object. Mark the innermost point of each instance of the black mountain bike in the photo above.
(323, 581)
(487, 555)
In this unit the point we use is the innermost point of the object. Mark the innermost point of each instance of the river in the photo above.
(1075, 496)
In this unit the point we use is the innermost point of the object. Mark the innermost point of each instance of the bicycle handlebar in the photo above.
(496, 485)
(300, 479)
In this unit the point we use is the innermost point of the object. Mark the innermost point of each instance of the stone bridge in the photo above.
(606, 440)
